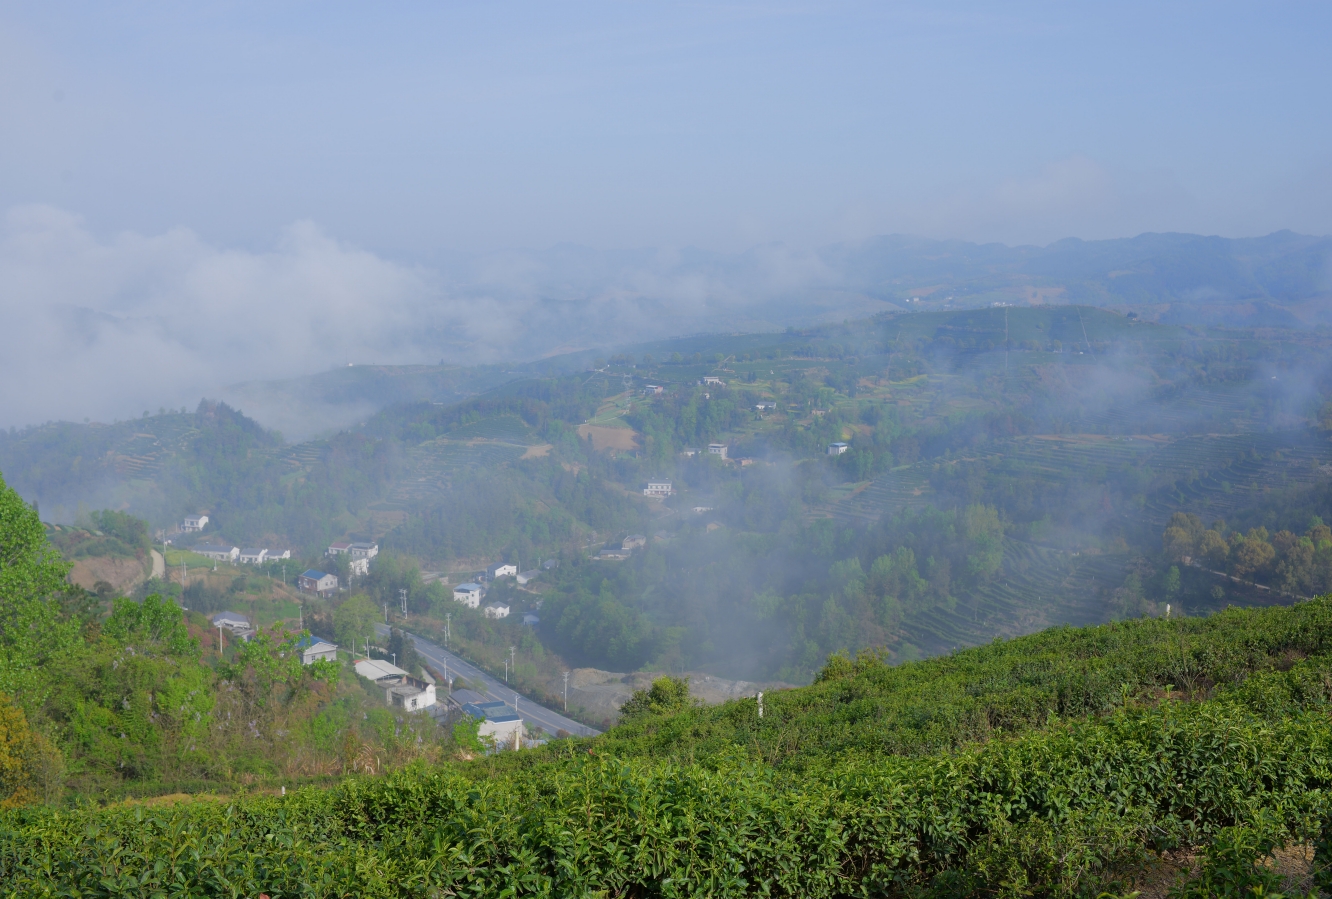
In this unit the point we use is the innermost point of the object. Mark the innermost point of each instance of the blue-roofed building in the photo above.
(498, 722)
(313, 649)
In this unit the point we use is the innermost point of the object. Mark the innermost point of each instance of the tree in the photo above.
(666, 696)
(24, 756)
(33, 636)
(354, 620)
(1213, 548)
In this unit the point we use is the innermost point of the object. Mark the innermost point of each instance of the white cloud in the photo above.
(107, 328)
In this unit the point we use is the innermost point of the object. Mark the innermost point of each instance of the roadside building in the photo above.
(406, 692)
(374, 669)
(217, 552)
(469, 594)
(318, 582)
(499, 724)
(194, 523)
(713, 380)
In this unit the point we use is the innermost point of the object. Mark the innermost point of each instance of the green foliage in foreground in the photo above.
(1060, 812)
(1279, 659)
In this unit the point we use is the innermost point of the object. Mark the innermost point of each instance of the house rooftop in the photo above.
(314, 573)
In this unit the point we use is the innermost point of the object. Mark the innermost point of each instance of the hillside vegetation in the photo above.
(1051, 765)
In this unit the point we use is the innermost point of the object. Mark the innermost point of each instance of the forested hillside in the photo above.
(1004, 469)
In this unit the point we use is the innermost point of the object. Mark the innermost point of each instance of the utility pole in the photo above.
(219, 641)
(506, 670)
(386, 613)
(447, 616)
(403, 594)
(513, 663)
(395, 659)
(448, 684)
(566, 691)
(760, 703)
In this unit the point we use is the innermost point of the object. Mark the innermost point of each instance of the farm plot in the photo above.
(1036, 588)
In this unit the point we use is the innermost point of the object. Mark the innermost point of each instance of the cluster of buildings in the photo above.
(624, 550)
(222, 552)
(401, 690)
(472, 593)
(360, 555)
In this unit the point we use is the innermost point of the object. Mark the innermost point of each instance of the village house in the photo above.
(232, 621)
(689, 451)
(365, 551)
(653, 390)
(503, 569)
(274, 554)
(318, 582)
(526, 577)
(313, 649)
(633, 541)
(194, 523)
(836, 449)
(713, 379)
(216, 552)
(657, 488)
(613, 555)
(499, 724)
(497, 610)
(469, 594)
(400, 688)
(335, 548)
(717, 449)
(253, 556)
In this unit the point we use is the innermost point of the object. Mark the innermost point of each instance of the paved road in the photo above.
(159, 565)
(531, 713)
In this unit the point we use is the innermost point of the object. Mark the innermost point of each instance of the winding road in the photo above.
(550, 721)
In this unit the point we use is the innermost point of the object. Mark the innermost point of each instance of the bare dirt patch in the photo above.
(122, 574)
(537, 452)
(603, 438)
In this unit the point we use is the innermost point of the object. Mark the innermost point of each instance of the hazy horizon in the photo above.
(221, 193)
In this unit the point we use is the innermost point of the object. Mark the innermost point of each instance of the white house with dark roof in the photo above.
(496, 610)
(503, 569)
(314, 649)
(658, 488)
(836, 449)
(717, 449)
(315, 581)
(194, 523)
(253, 556)
(217, 552)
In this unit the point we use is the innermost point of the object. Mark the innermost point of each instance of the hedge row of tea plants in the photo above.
(1063, 811)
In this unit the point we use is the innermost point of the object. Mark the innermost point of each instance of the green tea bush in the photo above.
(1060, 812)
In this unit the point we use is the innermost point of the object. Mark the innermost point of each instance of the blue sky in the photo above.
(417, 129)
